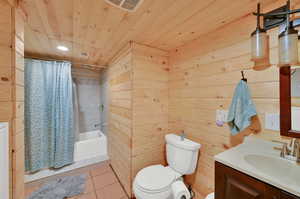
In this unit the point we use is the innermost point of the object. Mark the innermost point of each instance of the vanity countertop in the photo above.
(258, 158)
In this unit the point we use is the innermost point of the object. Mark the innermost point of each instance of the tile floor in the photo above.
(101, 183)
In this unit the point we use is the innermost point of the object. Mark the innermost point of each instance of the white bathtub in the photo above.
(90, 149)
(90, 145)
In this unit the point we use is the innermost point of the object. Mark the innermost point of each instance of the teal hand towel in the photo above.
(241, 110)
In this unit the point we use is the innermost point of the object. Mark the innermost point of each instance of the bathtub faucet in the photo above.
(97, 125)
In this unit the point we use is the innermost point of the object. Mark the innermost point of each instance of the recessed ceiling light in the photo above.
(128, 5)
(62, 48)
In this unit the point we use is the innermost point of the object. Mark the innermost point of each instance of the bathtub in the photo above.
(90, 149)
(90, 145)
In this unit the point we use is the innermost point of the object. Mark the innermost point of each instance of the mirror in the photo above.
(295, 98)
(290, 101)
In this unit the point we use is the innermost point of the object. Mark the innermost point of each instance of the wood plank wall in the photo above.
(18, 128)
(18, 136)
(12, 89)
(203, 77)
(150, 106)
(120, 117)
(138, 115)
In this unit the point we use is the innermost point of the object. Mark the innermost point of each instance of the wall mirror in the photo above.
(290, 101)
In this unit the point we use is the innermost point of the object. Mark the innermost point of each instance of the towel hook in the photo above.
(243, 76)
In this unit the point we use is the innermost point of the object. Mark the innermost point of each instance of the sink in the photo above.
(257, 158)
(276, 168)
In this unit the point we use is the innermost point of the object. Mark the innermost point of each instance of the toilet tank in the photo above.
(182, 155)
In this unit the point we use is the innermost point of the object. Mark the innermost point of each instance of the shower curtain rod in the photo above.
(73, 63)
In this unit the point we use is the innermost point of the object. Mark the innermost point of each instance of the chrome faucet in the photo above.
(290, 151)
(97, 125)
(296, 152)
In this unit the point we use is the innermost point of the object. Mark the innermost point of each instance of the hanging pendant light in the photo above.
(259, 41)
(288, 44)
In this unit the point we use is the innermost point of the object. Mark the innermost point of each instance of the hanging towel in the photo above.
(241, 109)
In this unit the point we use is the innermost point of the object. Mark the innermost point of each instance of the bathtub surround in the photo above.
(49, 136)
(88, 93)
(11, 89)
(104, 100)
(138, 118)
(75, 111)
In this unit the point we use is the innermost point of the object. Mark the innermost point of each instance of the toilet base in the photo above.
(168, 194)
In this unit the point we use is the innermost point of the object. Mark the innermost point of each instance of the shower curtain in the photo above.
(49, 136)
(76, 111)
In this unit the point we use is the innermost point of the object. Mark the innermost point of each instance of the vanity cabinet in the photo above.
(285, 195)
(232, 184)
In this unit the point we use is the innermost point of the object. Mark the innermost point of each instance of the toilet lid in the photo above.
(155, 178)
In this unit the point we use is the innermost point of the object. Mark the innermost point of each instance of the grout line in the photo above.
(93, 184)
(119, 181)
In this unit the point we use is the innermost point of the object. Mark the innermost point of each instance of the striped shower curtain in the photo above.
(49, 136)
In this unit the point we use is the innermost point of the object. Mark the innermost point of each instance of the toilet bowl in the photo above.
(155, 182)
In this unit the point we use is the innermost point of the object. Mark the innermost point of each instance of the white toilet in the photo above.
(155, 182)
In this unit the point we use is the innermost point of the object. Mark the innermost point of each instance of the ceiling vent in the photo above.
(128, 5)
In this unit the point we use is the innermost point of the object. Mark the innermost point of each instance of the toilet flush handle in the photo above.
(182, 135)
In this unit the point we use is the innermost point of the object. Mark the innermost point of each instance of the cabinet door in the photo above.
(285, 195)
(272, 192)
(231, 184)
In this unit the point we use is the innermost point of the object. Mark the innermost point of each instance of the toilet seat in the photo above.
(155, 179)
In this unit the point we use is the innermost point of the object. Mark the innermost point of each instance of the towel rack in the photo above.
(243, 76)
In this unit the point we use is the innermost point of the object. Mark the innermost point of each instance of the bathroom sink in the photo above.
(258, 159)
(276, 168)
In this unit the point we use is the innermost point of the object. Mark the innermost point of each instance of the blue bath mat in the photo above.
(61, 188)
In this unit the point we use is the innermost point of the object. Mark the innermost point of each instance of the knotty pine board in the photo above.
(150, 106)
(120, 118)
(12, 90)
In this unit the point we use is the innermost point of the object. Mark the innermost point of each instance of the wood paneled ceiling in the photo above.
(95, 31)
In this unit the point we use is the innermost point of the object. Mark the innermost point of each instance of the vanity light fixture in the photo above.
(288, 43)
(259, 41)
(63, 48)
(288, 39)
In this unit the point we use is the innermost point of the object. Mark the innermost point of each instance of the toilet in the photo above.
(155, 182)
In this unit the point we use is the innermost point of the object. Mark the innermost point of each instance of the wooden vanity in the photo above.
(233, 184)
